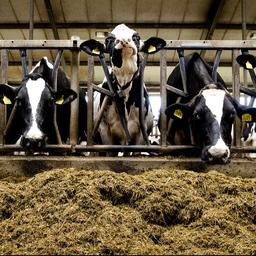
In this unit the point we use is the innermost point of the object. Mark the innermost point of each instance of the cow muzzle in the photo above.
(126, 45)
(215, 154)
(32, 144)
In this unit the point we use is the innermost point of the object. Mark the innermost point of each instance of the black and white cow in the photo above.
(123, 45)
(205, 118)
(32, 126)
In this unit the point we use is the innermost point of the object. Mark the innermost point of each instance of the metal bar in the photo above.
(182, 69)
(31, 30)
(4, 78)
(236, 95)
(104, 91)
(90, 103)
(163, 79)
(74, 112)
(171, 44)
(175, 90)
(248, 91)
(142, 101)
(55, 87)
(23, 62)
(37, 44)
(216, 65)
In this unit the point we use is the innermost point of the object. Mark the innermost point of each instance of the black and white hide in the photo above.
(32, 126)
(206, 117)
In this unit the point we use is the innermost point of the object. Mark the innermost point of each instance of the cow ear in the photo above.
(246, 114)
(153, 45)
(247, 61)
(7, 94)
(178, 111)
(64, 96)
(92, 47)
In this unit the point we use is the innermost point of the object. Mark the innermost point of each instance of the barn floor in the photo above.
(29, 166)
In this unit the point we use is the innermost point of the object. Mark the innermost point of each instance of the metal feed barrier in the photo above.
(235, 46)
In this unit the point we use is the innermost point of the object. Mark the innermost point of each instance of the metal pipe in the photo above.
(183, 69)
(74, 112)
(90, 103)
(55, 87)
(216, 65)
(31, 30)
(142, 101)
(4, 78)
(163, 95)
(23, 62)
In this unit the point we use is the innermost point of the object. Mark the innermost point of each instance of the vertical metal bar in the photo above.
(31, 30)
(90, 79)
(55, 87)
(23, 56)
(163, 78)
(4, 78)
(182, 69)
(215, 65)
(74, 112)
(236, 95)
(244, 32)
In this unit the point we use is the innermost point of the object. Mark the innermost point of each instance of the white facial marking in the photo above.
(124, 41)
(49, 64)
(214, 100)
(34, 89)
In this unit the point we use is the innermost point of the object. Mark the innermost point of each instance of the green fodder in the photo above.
(68, 211)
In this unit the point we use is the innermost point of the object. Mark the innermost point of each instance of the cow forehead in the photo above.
(214, 100)
(35, 89)
(122, 31)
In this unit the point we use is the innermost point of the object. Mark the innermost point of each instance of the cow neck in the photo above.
(115, 82)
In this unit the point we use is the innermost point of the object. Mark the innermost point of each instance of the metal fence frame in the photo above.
(73, 45)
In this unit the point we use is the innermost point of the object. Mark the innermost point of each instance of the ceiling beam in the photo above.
(213, 16)
(90, 25)
(53, 26)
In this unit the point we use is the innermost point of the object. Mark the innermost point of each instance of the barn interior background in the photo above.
(87, 19)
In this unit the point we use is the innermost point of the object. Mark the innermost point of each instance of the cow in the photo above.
(205, 117)
(123, 46)
(32, 126)
(248, 62)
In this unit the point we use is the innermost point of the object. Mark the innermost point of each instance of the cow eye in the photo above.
(196, 116)
(18, 102)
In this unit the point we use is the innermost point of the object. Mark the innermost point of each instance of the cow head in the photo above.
(123, 45)
(211, 114)
(34, 100)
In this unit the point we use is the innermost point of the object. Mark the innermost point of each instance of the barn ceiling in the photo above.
(169, 19)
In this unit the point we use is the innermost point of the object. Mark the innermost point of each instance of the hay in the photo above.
(68, 211)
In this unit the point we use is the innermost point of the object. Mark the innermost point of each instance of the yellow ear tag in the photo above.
(6, 100)
(178, 113)
(96, 51)
(246, 117)
(151, 48)
(60, 100)
(248, 65)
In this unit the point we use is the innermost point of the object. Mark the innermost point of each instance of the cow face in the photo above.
(34, 100)
(211, 114)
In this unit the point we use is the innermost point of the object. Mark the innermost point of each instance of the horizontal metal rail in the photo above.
(171, 44)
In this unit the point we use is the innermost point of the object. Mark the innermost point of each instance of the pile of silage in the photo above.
(68, 211)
